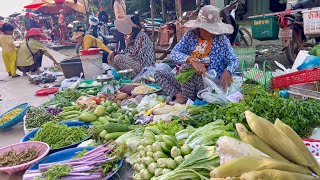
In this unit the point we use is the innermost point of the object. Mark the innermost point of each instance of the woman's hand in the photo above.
(226, 79)
(197, 65)
(55, 63)
(111, 57)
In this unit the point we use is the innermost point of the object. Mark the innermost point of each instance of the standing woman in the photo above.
(119, 8)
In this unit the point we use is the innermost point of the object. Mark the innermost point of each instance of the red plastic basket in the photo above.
(313, 146)
(299, 77)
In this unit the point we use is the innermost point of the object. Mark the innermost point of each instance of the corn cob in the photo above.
(275, 138)
(272, 174)
(299, 143)
(245, 164)
(257, 143)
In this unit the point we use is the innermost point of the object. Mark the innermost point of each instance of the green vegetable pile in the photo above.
(60, 135)
(185, 75)
(36, 116)
(57, 171)
(64, 98)
(302, 116)
(168, 128)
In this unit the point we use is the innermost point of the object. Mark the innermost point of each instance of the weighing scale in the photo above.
(106, 83)
(124, 76)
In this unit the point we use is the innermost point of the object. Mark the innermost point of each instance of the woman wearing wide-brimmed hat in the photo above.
(29, 55)
(139, 52)
(206, 49)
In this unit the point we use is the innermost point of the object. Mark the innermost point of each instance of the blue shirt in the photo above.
(222, 56)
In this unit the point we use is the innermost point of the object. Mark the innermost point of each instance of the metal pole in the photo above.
(152, 18)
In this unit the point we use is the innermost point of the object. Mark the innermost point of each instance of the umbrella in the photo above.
(68, 3)
(35, 4)
(15, 14)
(48, 9)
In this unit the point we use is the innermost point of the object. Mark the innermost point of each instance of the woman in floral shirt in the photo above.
(204, 48)
(139, 52)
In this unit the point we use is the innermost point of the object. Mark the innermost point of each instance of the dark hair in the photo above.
(7, 27)
(135, 31)
(103, 16)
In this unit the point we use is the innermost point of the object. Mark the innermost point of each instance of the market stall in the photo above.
(110, 124)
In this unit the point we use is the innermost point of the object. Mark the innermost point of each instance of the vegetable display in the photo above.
(64, 98)
(60, 135)
(12, 158)
(7, 117)
(295, 161)
(37, 116)
(92, 165)
(185, 75)
(302, 116)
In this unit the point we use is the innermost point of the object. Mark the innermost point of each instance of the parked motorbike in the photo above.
(291, 34)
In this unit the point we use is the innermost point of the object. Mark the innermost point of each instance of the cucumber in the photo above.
(97, 123)
(113, 136)
(72, 116)
(64, 114)
(86, 117)
(116, 115)
(103, 120)
(115, 127)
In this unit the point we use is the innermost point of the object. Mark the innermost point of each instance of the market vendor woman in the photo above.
(89, 41)
(31, 51)
(205, 42)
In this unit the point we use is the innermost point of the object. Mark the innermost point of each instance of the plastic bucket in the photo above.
(71, 68)
(92, 65)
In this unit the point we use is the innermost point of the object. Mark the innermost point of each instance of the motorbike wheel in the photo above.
(293, 49)
(245, 37)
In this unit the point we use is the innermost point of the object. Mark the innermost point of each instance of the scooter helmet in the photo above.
(93, 21)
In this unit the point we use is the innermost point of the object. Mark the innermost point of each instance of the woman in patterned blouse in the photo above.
(139, 51)
(206, 49)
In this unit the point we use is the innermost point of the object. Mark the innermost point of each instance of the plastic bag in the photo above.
(148, 102)
(214, 93)
(69, 82)
(147, 73)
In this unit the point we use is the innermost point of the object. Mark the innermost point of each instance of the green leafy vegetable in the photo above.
(64, 98)
(80, 154)
(168, 128)
(60, 135)
(185, 74)
(36, 116)
(57, 171)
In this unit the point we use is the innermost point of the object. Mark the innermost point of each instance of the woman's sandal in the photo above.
(17, 75)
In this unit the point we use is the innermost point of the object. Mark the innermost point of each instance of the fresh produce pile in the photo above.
(64, 98)
(7, 117)
(37, 116)
(69, 113)
(92, 165)
(185, 74)
(274, 151)
(90, 91)
(60, 135)
(12, 158)
(302, 116)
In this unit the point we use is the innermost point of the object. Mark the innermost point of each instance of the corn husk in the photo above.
(257, 143)
(230, 149)
(272, 174)
(276, 139)
(299, 143)
(237, 167)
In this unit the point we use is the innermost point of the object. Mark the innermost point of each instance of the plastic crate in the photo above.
(299, 77)
(265, 28)
(246, 55)
(311, 22)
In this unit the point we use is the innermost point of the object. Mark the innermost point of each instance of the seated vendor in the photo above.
(88, 41)
(206, 49)
(31, 51)
(139, 51)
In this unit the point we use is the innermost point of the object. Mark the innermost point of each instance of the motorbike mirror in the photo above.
(136, 12)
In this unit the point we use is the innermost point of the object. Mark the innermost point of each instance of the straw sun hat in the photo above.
(209, 19)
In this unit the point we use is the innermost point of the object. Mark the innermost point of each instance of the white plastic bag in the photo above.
(214, 93)
(147, 73)
(148, 102)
